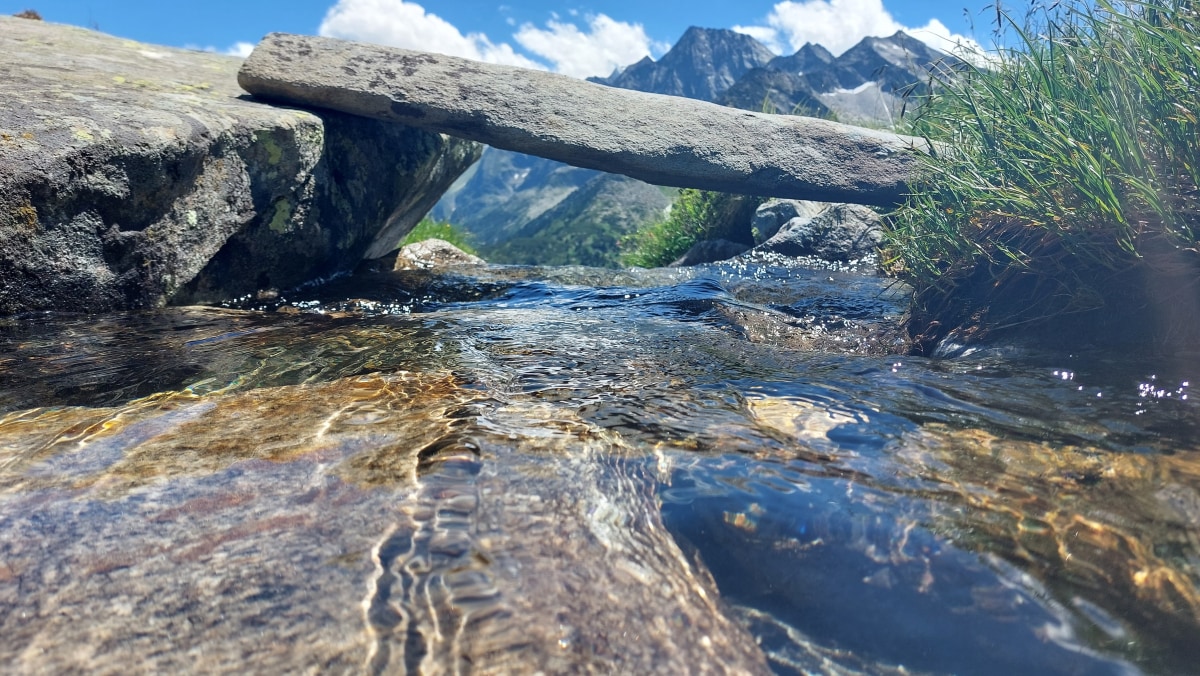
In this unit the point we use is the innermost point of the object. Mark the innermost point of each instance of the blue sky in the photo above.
(578, 39)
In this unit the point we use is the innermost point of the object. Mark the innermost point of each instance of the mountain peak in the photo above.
(895, 62)
(815, 50)
(701, 65)
(898, 42)
(808, 58)
(695, 32)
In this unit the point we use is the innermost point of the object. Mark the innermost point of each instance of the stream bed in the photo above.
(724, 469)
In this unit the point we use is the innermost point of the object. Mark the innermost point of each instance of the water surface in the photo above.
(710, 470)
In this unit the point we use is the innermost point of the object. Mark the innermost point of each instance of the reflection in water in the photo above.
(805, 557)
(581, 470)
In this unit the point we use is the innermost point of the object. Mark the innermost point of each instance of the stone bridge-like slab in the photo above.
(665, 140)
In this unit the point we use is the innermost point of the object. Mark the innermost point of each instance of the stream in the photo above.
(722, 469)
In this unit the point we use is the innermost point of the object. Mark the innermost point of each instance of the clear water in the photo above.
(709, 470)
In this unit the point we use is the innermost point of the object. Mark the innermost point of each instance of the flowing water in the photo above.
(714, 470)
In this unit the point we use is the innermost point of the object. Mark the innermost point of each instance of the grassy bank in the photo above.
(1069, 183)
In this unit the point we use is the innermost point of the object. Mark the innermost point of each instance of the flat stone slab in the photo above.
(659, 139)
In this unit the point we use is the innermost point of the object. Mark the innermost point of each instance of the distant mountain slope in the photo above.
(895, 63)
(504, 191)
(809, 58)
(702, 65)
(583, 229)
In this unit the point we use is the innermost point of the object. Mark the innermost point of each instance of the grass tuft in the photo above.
(1071, 170)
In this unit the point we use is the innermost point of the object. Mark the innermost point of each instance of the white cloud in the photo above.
(596, 49)
(605, 45)
(766, 35)
(840, 24)
(406, 24)
(937, 35)
(241, 49)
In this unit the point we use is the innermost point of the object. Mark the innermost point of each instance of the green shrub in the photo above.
(695, 216)
(429, 228)
(1069, 163)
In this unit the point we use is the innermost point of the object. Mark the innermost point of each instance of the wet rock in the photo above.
(551, 557)
(840, 232)
(664, 140)
(381, 523)
(138, 175)
(433, 253)
(221, 514)
(709, 251)
(772, 214)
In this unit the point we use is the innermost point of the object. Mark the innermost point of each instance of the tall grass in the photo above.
(1071, 160)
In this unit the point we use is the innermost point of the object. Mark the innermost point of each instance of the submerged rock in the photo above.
(138, 175)
(563, 474)
(387, 523)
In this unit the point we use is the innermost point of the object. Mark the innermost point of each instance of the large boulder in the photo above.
(839, 232)
(665, 140)
(138, 175)
(772, 214)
